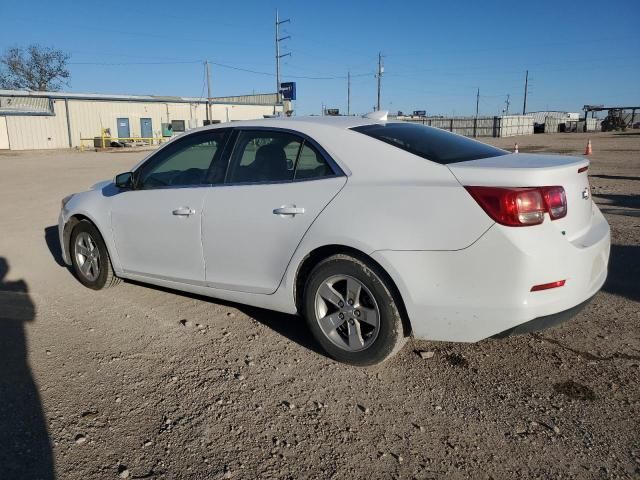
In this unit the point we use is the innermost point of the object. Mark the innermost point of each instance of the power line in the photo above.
(223, 65)
(113, 64)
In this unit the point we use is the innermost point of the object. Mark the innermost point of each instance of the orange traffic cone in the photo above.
(588, 150)
(515, 148)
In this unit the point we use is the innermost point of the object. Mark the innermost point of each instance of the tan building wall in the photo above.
(4, 135)
(30, 132)
(87, 118)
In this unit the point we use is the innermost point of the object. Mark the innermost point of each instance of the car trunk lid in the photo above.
(535, 170)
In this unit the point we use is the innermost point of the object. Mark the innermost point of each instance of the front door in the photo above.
(157, 225)
(123, 128)
(276, 185)
(146, 128)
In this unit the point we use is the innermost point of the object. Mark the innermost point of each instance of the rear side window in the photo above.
(311, 164)
(433, 144)
(263, 156)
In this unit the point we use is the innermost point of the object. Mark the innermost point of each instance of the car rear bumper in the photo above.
(542, 323)
(485, 289)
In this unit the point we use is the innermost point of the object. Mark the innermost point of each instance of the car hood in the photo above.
(100, 185)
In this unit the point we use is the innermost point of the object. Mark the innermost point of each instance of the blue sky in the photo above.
(436, 54)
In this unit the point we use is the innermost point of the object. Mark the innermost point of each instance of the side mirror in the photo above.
(124, 180)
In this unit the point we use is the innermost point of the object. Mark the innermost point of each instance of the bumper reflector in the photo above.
(547, 286)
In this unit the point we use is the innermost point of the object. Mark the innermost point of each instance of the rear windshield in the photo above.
(433, 144)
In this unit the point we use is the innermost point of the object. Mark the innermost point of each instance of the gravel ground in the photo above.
(140, 382)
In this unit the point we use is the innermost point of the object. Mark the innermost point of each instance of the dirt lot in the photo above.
(113, 385)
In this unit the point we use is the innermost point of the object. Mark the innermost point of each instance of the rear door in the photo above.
(276, 185)
(157, 225)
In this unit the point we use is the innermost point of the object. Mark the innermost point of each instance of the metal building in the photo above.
(44, 120)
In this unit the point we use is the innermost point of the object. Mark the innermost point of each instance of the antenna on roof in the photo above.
(380, 115)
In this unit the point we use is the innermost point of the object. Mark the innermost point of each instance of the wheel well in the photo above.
(319, 254)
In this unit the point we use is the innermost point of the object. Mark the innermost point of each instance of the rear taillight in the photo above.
(555, 201)
(520, 207)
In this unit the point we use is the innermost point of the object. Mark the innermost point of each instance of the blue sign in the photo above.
(288, 90)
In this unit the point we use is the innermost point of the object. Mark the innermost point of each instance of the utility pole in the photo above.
(526, 87)
(507, 103)
(278, 56)
(348, 93)
(379, 76)
(206, 66)
(475, 120)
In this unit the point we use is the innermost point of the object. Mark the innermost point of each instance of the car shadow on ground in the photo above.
(25, 448)
(292, 327)
(53, 244)
(624, 271)
(617, 200)
(615, 177)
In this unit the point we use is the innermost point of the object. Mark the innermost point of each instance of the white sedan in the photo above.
(371, 230)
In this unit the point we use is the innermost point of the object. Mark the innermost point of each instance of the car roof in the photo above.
(302, 123)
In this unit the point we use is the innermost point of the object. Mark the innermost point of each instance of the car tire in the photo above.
(351, 311)
(90, 258)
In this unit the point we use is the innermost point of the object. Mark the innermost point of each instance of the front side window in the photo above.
(433, 144)
(196, 159)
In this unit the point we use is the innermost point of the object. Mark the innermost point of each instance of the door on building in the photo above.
(123, 128)
(146, 128)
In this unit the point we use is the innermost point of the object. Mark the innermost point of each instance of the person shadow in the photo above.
(25, 448)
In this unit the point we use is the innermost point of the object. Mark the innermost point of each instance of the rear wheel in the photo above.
(351, 311)
(90, 258)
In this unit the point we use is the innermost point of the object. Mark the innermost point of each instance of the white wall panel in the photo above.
(28, 132)
(4, 135)
(89, 117)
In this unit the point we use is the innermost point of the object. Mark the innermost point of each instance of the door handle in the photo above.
(292, 210)
(184, 211)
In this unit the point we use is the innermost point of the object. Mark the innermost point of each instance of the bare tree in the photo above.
(36, 68)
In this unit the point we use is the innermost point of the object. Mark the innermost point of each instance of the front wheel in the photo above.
(351, 311)
(90, 258)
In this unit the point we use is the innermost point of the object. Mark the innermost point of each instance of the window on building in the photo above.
(178, 125)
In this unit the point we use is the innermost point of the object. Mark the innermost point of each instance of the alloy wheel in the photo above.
(347, 313)
(87, 256)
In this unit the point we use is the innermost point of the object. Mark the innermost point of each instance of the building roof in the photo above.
(253, 99)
